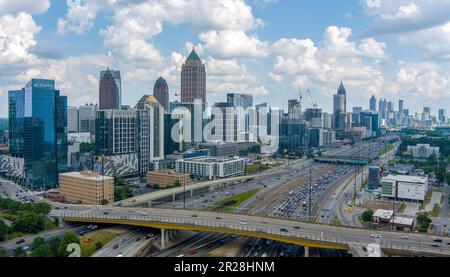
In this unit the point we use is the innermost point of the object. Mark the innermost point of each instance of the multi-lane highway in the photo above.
(308, 234)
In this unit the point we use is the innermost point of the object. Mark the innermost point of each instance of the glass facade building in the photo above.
(38, 132)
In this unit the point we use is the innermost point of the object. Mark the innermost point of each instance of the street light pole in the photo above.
(310, 188)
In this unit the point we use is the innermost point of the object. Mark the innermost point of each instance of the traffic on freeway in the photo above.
(303, 233)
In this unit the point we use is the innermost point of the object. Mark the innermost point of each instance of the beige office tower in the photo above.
(86, 188)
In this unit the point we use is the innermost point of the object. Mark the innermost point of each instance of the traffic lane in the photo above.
(275, 225)
(11, 245)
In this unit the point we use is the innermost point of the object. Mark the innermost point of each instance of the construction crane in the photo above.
(312, 99)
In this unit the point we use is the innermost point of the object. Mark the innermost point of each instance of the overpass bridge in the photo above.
(178, 192)
(343, 160)
(287, 231)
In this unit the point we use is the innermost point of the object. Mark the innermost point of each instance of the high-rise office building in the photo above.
(38, 132)
(110, 91)
(356, 115)
(72, 120)
(193, 79)
(150, 127)
(161, 92)
(86, 118)
(339, 115)
(294, 110)
(116, 132)
(401, 106)
(442, 116)
(343, 91)
(240, 100)
(373, 103)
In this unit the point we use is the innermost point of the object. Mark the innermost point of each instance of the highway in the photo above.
(307, 234)
(126, 245)
(11, 245)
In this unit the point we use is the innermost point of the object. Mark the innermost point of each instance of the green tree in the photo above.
(37, 242)
(122, 193)
(43, 251)
(68, 238)
(54, 244)
(367, 216)
(104, 202)
(2, 252)
(98, 245)
(28, 222)
(19, 252)
(4, 230)
(42, 208)
(177, 184)
(424, 222)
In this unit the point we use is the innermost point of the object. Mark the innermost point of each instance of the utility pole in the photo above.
(310, 189)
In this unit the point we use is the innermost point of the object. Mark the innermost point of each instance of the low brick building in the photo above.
(165, 178)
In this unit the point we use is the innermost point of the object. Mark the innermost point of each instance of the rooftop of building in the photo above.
(87, 175)
(403, 220)
(406, 178)
(211, 159)
(167, 172)
(385, 214)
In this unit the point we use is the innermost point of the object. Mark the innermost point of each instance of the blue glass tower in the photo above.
(38, 132)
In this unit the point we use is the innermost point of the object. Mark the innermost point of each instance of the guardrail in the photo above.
(247, 229)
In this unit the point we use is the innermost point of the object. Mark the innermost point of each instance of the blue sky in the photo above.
(395, 49)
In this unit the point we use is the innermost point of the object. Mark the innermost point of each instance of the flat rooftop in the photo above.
(406, 178)
(87, 175)
(385, 214)
(210, 159)
(401, 220)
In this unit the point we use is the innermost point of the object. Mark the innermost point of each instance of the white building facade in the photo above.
(402, 187)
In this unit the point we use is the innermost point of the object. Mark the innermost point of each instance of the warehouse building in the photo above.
(402, 187)
(211, 168)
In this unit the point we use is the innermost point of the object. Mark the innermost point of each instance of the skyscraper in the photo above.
(401, 106)
(294, 110)
(161, 92)
(72, 120)
(86, 116)
(110, 91)
(339, 108)
(373, 104)
(343, 91)
(193, 79)
(38, 132)
(240, 100)
(150, 127)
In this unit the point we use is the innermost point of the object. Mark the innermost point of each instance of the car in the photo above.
(65, 208)
(138, 239)
(405, 237)
(56, 208)
(284, 230)
(375, 236)
(105, 213)
(219, 218)
(435, 246)
(437, 240)
(243, 222)
(119, 255)
(297, 227)
(20, 241)
(115, 246)
(265, 222)
(194, 215)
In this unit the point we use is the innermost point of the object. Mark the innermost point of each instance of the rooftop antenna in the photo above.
(301, 97)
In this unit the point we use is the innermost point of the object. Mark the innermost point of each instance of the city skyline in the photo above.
(258, 53)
